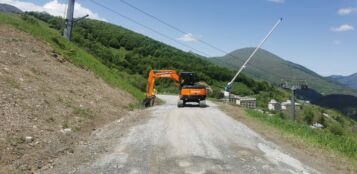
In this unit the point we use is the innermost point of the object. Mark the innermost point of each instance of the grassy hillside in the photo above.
(134, 55)
(332, 138)
(42, 94)
(272, 68)
(345, 104)
(70, 51)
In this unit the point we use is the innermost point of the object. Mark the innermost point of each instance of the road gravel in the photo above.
(193, 140)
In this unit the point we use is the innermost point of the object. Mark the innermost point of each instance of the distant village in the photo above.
(272, 105)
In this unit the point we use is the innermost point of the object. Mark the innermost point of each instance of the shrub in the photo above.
(337, 130)
(29, 19)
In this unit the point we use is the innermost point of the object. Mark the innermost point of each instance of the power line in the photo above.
(65, 10)
(65, 15)
(184, 32)
(147, 27)
(171, 26)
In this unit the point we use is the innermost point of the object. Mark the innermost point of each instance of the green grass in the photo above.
(343, 144)
(69, 51)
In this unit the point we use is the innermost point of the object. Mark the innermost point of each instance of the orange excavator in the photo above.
(188, 90)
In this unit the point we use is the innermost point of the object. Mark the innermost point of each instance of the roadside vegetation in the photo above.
(338, 134)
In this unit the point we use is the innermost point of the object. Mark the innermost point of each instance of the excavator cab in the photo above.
(187, 79)
(190, 91)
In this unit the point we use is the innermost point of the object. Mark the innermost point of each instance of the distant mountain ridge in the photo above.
(272, 68)
(348, 81)
(346, 104)
(9, 8)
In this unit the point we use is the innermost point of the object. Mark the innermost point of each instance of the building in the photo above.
(317, 126)
(248, 102)
(273, 105)
(286, 105)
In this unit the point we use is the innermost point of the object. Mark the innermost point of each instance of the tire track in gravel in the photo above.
(192, 140)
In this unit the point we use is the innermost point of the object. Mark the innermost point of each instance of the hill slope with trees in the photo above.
(132, 55)
(135, 54)
(272, 68)
(348, 81)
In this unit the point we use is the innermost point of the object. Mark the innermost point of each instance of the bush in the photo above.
(282, 115)
(308, 116)
(337, 130)
(29, 19)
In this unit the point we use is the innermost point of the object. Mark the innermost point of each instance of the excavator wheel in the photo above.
(152, 102)
(180, 103)
(148, 102)
(202, 103)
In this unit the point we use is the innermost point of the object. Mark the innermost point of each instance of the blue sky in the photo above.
(318, 34)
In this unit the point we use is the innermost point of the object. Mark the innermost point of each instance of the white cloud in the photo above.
(343, 28)
(54, 8)
(346, 11)
(187, 38)
(277, 1)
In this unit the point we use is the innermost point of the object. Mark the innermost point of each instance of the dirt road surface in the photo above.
(189, 140)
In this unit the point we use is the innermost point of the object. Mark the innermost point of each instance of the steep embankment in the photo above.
(42, 94)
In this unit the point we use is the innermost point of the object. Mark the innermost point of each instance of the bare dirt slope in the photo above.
(185, 140)
(40, 96)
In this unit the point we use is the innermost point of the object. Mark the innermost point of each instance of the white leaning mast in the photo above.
(228, 87)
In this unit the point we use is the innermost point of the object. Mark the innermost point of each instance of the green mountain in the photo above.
(272, 68)
(132, 55)
(348, 81)
(9, 8)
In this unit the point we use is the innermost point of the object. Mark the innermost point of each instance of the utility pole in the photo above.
(292, 105)
(69, 20)
(292, 86)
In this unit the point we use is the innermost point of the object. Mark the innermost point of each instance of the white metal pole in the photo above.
(256, 49)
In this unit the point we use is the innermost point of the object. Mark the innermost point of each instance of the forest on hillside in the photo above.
(127, 78)
(136, 54)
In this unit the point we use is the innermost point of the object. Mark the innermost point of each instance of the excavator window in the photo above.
(187, 79)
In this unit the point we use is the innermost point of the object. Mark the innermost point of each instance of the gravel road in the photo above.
(192, 140)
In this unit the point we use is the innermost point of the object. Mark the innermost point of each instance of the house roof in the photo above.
(272, 101)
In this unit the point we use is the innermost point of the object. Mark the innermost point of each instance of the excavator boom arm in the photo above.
(155, 74)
